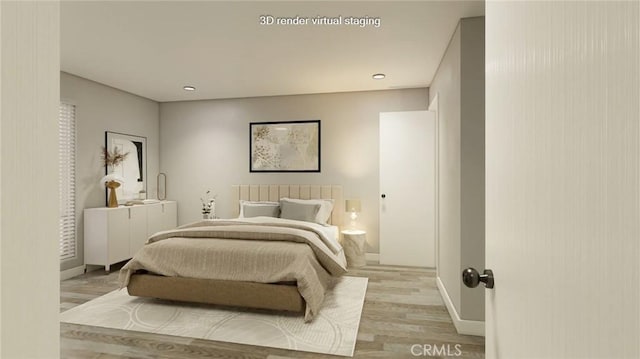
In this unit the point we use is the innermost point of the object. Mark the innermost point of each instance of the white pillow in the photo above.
(244, 204)
(326, 206)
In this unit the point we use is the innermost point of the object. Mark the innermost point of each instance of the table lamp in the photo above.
(353, 206)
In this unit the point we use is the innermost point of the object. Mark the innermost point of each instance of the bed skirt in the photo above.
(283, 297)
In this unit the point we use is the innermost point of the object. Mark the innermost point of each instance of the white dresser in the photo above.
(112, 235)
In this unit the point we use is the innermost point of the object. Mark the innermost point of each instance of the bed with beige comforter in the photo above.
(262, 250)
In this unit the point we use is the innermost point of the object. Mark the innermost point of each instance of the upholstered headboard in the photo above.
(273, 192)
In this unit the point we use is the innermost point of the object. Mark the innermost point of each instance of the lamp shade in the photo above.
(352, 205)
(112, 177)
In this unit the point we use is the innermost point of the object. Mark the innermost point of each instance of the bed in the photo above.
(252, 262)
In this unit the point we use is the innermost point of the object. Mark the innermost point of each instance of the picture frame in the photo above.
(134, 167)
(286, 146)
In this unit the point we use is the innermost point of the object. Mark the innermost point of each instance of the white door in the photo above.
(407, 188)
(563, 179)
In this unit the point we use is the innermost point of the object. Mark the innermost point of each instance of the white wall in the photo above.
(205, 145)
(101, 108)
(472, 139)
(446, 84)
(563, 179)
(29, 105)
(459, 83)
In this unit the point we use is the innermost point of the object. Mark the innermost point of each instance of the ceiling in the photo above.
(154, 48)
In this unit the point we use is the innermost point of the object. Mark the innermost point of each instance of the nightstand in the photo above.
(354, 243)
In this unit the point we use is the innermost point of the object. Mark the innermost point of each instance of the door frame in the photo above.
(433, 106)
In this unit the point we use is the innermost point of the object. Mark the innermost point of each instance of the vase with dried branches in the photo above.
(112, 180)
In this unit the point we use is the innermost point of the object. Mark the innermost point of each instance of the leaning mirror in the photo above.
(134, 167)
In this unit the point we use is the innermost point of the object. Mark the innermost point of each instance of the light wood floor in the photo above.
(402, 308)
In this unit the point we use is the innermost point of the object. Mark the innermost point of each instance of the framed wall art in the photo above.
(291, 146)
(133, 169)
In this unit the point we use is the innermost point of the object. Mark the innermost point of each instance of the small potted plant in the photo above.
(208, 206)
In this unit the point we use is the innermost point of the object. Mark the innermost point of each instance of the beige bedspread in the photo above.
(233, 250)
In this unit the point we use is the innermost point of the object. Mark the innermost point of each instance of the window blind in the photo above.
(67, 173)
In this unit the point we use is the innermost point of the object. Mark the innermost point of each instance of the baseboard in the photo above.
(73, 272)
(468, 327)
(372, 257)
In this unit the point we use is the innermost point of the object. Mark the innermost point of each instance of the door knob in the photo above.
(471, 278)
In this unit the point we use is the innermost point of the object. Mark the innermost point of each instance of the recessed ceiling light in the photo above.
(189, 88)
(379, 76)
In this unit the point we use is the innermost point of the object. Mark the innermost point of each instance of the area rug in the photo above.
(333, 330)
